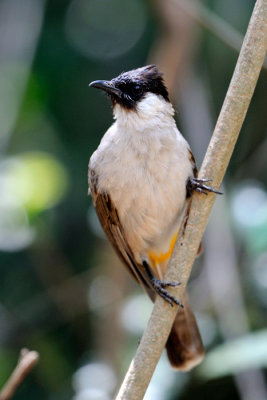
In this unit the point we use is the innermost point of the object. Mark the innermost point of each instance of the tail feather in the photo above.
(184, 345)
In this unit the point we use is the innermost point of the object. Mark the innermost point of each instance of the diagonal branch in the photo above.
(214, 166)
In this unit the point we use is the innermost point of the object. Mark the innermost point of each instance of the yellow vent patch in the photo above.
(159, 258)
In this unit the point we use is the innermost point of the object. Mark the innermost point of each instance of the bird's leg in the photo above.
(159, 286)
(200, 186)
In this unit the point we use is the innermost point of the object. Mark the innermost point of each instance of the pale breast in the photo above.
(146, 178)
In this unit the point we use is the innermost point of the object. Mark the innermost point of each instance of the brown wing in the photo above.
(193, 162)
(109, 219)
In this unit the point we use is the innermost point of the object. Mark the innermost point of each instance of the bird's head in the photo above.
(130, 88)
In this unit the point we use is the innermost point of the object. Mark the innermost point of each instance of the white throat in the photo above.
(153, 110)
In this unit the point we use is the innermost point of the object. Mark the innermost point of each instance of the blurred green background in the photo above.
(63, 292)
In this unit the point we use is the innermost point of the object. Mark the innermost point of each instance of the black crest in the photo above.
(130, 87)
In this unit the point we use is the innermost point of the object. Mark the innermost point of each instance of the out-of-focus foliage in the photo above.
(63, 292)
(235, 356)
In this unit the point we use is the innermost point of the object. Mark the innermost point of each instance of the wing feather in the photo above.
(110, 221)
(193, 162)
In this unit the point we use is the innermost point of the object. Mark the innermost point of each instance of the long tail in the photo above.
(184, 345)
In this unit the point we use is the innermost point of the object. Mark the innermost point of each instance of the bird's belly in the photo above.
(150, 209)
(147, 184)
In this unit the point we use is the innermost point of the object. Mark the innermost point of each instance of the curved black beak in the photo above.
(107, 86)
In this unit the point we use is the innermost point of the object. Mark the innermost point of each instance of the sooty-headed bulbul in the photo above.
(141, 178)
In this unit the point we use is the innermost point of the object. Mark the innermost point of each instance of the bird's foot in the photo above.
(200, 186)
(160, 287)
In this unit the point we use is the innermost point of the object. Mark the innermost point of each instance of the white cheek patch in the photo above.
(152, 111)
(152, 104)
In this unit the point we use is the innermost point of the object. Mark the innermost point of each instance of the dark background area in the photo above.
(63, 292)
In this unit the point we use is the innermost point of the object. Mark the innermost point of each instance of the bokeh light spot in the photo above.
(105, 29)
(95, 377)
(15, 232)
(249, 204)
(139, 306)
(35, 179)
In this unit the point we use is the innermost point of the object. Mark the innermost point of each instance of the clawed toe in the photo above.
(199, 185)
(172, 284)
(159, 288)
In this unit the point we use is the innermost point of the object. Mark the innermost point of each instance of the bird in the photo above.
(141, 179)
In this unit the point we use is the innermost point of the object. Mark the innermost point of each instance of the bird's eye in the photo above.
(137, 89)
